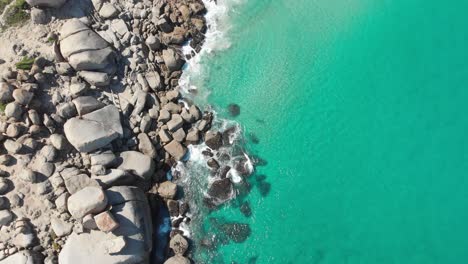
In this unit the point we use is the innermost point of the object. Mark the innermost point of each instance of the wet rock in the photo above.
(173, 208)
(137, 164)
(245, 209)
(213, 139)
(221, 189)
(237, 232)
(86, 201)
(167, 190)
(178, 244)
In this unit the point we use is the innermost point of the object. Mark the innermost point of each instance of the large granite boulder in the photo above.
(85, 49)
(131, 210)
(46, 3)
(94, 130)
(89, 200)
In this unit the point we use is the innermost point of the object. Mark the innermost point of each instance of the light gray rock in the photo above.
(46, 3)
(60, 227)
(78, 182)
(90, 200)
(58, 141)
(154, 80)
(164, 115)
(179, 135)
(175, 123)
(66, 110)
(34, 117)
(177, 260)
(95, 130)
(6, 92)
(153, 42)
(13, 110)
(164, 135)
(39, 16)
(193, 136)
(87, 104)
(5, 217)
(178, 244)
(172, 60)
(24, 240)
(24, 257)
(167, 190)
(119, 27)
(95, 78)
(137, 163)
(108, 10)
(4, 186)
(114, 177)
(106, 158)
(146, 146)
(84, 49)
(176, 150)
(130, 208)
(27, 175)
(22, 96)
(12, 147)
(78, 88)
(195, 112)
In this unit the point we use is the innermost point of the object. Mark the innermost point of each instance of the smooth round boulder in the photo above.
(22, 96)
(13, 110)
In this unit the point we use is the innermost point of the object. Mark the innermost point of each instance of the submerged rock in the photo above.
(234, 109)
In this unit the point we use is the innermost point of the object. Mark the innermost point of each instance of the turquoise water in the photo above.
(360, 108)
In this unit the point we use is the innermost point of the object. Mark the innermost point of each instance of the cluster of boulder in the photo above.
(87, 138)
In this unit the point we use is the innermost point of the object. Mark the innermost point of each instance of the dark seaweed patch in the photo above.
(253, 138)
(245, 209)
(264, 188)
(234, 109)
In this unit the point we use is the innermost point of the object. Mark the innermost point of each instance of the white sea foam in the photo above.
(194, 172)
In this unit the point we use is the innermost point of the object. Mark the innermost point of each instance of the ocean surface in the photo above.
(358, 112)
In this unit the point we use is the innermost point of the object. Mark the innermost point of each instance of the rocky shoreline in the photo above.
(91, 125)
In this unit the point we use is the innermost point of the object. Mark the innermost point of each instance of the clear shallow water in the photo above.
(360, 111)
